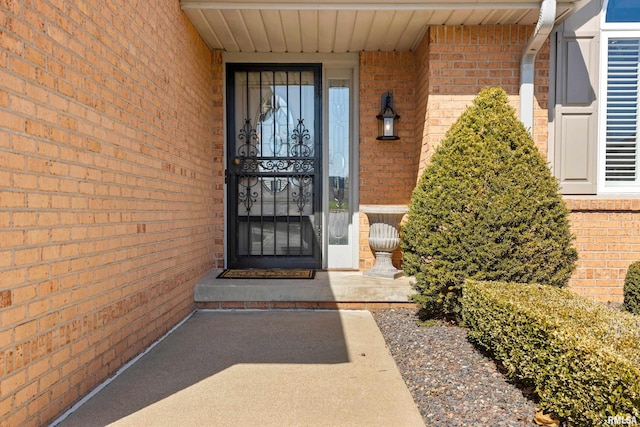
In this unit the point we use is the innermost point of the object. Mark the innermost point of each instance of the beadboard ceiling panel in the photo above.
(310, 26)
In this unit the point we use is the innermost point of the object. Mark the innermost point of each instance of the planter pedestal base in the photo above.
(384, 238)
(383, 267)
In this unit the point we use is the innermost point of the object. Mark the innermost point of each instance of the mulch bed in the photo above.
(452, 382)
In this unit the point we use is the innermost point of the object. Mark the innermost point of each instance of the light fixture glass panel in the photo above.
(388, 126)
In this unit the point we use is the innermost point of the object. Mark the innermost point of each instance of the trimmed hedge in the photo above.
(487, 208)
(581, 357)
(632, 289)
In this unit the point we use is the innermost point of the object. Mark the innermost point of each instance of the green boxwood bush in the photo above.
(632, 289)
(581, 357)
(487, 208)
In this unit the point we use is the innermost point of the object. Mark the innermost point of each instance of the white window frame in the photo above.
(617, 30)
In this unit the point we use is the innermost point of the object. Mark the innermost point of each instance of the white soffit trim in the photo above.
(298, 5)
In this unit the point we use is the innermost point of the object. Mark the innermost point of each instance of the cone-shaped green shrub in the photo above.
(486, 208)
(632, 289)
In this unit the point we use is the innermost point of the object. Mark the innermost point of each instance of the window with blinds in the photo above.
(621, 134)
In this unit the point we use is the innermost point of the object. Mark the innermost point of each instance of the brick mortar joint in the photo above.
(596, 204)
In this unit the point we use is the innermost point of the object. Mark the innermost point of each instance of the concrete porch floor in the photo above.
(329, 289)
(257, 368)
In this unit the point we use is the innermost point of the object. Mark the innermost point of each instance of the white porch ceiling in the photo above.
(305, 26)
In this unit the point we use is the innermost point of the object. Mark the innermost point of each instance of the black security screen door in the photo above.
(274, 165)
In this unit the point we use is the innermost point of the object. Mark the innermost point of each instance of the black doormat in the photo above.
(267, 273)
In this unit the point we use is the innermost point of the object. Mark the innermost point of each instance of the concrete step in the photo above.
(329, 289)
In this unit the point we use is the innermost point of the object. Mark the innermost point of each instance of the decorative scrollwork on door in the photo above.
(246, 195)
(274, 165)
(302, 144)
(302, 193)
(247, 140)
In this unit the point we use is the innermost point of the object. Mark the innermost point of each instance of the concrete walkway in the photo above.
(266, 368)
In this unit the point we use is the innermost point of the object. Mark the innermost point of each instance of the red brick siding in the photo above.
(217, 156)
(607, 235)
(388, 169)
(457, 62)
(453, 64)
(448, 69)
(108, 151)
(422, 130)
(387, 175)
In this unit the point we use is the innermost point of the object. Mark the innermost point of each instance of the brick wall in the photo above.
(388, 165)
(108, 151)
(453, 64)
(457, 62)
(607, 235)
(388, 169)
(445, 73)
(215, 119)
(422, 131)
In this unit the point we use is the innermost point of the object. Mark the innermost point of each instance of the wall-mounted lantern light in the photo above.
(387, 120)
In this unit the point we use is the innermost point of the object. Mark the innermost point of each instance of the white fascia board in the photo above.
(356, 5)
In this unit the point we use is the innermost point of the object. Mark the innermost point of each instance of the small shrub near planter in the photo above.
(486, 208)
(632, 289)
(581, 357)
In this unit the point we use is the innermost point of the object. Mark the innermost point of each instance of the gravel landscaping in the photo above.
(451, 381)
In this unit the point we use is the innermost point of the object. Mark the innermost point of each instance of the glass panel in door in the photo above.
(341, 253)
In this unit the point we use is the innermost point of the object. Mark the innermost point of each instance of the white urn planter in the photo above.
(384, 237)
